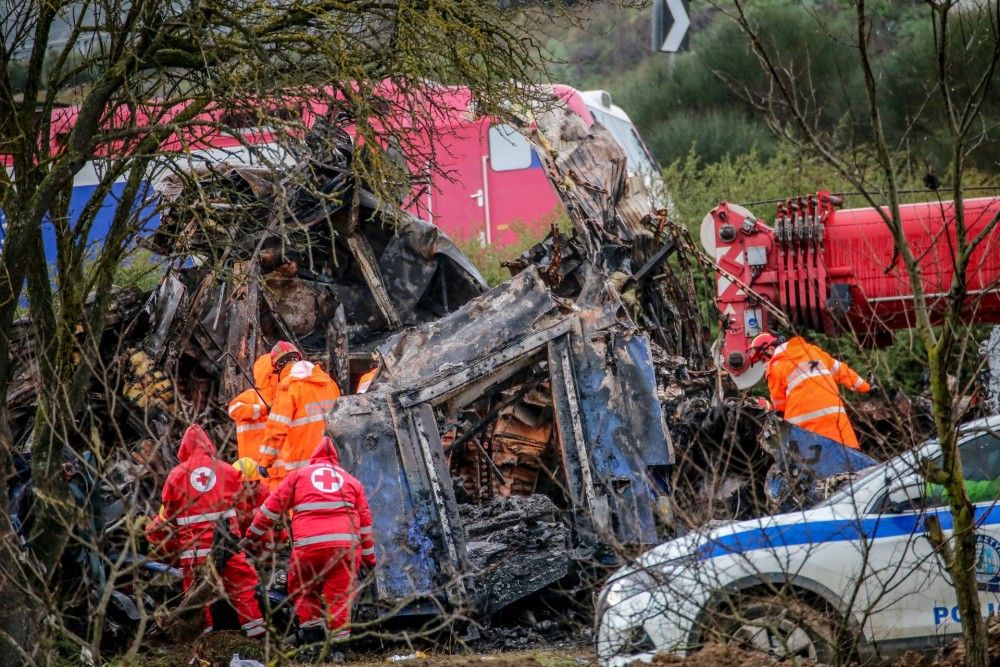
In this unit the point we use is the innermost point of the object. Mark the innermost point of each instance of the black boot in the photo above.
(308, 642)
(306, 636)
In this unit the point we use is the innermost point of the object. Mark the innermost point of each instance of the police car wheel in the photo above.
(781, 627)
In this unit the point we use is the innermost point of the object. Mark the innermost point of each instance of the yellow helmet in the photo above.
(247, 467)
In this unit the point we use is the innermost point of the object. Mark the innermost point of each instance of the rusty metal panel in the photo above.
(570, 436)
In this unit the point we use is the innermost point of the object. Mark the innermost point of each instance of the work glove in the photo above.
(253, 547)
(262, 471)
(874, 390)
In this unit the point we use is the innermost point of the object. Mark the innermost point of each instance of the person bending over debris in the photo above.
(248, 501)
(304, 396)
(332, 530)
(803, 380)
(250, 408)
(251, 494)
(198, 494)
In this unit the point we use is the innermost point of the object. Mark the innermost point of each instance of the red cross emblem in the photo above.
(202, 478)
(326, 480)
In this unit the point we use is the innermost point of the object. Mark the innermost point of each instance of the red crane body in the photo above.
(834, 270)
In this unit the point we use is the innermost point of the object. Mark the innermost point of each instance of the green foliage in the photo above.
(698, 186)
(705, 98)
(909, 96)
(489, 259)
(141, 269)
(601, 42)
(714, 136)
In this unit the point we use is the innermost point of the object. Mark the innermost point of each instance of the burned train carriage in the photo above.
(509, 436)
(503, 445)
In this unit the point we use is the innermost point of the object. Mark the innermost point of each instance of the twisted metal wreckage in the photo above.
(511, 434)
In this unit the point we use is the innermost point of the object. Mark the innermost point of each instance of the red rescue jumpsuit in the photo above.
(249, 497)
(247, 503)
(199, 492)
(332, 527)
(803, 381)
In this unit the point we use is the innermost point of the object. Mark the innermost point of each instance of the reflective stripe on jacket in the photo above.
(249, 409)
(298, 417)
(250, 415)
(198, 493)
(328, 506)
(803, 380)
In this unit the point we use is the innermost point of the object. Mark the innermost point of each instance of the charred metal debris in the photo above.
(511, 436)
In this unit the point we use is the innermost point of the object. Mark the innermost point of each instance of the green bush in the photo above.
(489, 259)
(697, 98)
(713, 137)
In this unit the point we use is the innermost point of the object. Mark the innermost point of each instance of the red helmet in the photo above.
(759, 346)
(282, 350)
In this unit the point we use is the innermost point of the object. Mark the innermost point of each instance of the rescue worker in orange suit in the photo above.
(332, 531)
(297, 421)
(803, 380)
(250, 409)
(198, 493)
(365, 381)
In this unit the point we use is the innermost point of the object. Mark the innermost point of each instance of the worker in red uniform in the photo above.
(198, 493)
(251, 494)
(248, 501)
(803, 381)
(250, 408)
(297, 420)
(163, 539)
(332, 531)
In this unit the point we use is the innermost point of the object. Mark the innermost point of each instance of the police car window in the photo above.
(980, 469)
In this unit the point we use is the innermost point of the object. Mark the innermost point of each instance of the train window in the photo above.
(509, 150)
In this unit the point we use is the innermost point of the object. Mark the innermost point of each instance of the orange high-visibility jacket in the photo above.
(803, 382)
(297, 420)
(249, 410)
(365, 381)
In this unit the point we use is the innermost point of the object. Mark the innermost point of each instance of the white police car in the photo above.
(856, 572)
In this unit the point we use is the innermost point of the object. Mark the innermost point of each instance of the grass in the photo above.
(489, 259)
